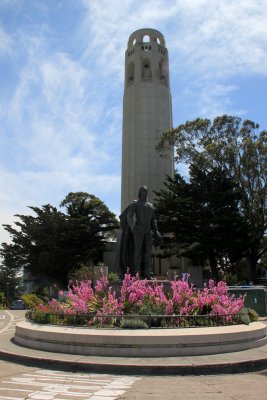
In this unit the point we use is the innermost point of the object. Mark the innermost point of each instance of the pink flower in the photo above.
(182, 298)
(101, 284)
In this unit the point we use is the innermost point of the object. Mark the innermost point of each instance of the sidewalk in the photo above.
(238, 362)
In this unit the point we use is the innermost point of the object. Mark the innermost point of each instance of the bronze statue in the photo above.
(138, 223)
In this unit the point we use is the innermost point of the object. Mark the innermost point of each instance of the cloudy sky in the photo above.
(61, 85)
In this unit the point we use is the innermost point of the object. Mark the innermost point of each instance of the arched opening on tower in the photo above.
(158, 40)
(134, 41)
(146, 39)
(130, 73)
(146, 69)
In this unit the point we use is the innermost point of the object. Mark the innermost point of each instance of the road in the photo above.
(18, 382)
(8, 320)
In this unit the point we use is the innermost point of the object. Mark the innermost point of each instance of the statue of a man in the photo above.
(138, 223)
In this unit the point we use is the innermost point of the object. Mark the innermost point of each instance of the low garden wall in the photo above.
(142, 319)
(140, 342)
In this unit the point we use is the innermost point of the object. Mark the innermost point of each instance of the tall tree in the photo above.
(92, 224)
(200, 218)
(241, 150)
(10, 283)
(36, 244)
(52, 244)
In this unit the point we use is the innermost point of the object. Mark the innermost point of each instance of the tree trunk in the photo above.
(252, 264)
(213, 267)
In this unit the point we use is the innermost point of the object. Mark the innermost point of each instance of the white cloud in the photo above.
(211, 99)
(60, 122)
(222, 38)
(62, 80)
(5, 43)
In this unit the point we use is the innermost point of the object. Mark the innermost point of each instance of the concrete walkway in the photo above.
(238, 362)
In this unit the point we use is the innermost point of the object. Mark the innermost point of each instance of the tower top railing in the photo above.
(146, 35)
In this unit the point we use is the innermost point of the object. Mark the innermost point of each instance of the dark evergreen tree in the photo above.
(10, 284)
(200, 218)
(51, 244)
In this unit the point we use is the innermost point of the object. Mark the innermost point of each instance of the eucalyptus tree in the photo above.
(240, 149)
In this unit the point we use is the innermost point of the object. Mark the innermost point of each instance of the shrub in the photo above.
(253, 315)
(31, 300)
(38, 317)
(113, 277)
(244, 317)
(131, 323)
(249, 313)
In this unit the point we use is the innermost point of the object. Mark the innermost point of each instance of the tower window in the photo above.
(146, 71)
(134, 41)
(158, 40)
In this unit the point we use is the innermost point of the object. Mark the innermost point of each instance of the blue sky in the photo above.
(61, 85)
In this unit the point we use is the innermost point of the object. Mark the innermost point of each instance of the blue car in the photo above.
(17, 305)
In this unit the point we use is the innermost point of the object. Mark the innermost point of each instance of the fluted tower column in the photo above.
(147, 112)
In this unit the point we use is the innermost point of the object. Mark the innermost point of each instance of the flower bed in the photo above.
(141, 304)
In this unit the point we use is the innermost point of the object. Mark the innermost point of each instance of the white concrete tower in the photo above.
(147, 112)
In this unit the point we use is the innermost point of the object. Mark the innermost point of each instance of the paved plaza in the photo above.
(18, 382)
(44, 384)
(40, 379)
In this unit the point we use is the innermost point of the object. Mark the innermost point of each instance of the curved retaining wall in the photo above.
(141, 342)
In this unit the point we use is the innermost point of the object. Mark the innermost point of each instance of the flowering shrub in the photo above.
(144, 297)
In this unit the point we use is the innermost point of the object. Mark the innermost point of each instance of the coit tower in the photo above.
(147, 112)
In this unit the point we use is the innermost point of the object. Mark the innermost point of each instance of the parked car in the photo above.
(17, 305)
